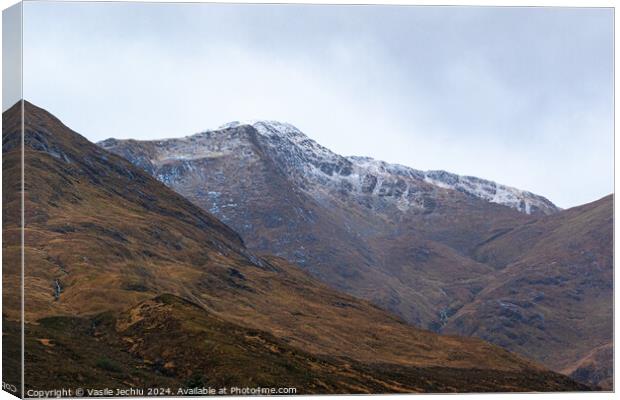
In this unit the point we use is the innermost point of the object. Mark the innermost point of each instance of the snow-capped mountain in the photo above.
(351, 221)
(319, 168)
(422, 244)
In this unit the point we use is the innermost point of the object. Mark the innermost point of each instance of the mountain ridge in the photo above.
(330, 163)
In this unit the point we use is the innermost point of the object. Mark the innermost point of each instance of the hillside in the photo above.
(553, 293)
(114, 256)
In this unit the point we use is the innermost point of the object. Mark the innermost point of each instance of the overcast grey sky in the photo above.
(522, 96)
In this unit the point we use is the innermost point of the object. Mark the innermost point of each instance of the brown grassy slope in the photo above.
(552, 300)
(11, 203)
(11, 244)
(168, 342)
(103, 236)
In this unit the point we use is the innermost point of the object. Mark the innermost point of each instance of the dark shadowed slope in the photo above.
(115, 257)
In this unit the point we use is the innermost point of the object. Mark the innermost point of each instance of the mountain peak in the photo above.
(265, 127)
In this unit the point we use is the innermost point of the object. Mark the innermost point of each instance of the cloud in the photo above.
(522, 96)
(11, 56)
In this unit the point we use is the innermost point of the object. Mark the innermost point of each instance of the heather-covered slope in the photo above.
(114, 256)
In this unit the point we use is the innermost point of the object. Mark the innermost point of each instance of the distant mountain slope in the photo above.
(287, 195)
(552, 300)
(119, 263)
(596, 368)
(417, 243)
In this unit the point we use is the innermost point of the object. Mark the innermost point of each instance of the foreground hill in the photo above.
(129, 284)
(429, 246)
(133, 349)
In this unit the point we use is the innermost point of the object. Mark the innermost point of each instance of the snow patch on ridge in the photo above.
(521, 200)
